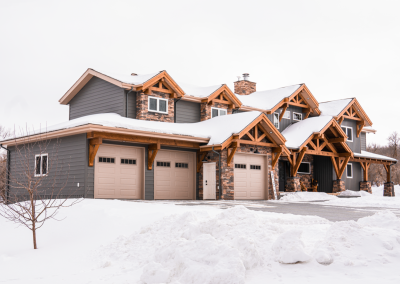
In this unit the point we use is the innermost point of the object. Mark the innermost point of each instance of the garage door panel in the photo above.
(126, 171)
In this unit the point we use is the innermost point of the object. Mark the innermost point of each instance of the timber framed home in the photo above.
(151, 137)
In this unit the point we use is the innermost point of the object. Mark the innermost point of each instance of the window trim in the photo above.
(41, 165)
(301, 115)
(219, 111)
(158, 104)
(352, 133)
(347, 173)
(309, 168)
(277, 118)
(286, 112)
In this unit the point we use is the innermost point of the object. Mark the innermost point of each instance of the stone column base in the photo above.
(388, 189)
(366, 186)
(293, 184)
(338, 186)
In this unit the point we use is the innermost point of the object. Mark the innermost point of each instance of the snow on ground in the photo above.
(306, 196)
(110, 241)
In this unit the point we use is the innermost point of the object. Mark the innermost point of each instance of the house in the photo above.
(151, 137)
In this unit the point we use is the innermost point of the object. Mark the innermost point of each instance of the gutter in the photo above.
(8, 173)
(219, 166)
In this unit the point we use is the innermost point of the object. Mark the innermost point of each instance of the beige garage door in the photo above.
(174, 175)
(119, 172)
(249, 176)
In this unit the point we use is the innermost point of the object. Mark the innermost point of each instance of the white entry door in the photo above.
(209, 181)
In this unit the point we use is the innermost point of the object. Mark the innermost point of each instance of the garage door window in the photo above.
(163, 164)
(240, 166)
(182, 165)
(255, 167)
(128, 162)
(106, 160)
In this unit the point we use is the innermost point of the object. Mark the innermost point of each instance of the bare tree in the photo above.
(394, 141)
(37, 186)
(4, 133)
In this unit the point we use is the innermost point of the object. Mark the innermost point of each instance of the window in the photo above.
(304, 168)
(255, 167)
(349, 133)
(158, 105)
(182, 165)
(106, 160)
(240, 166)
(217, 112)
(128, 161)
(276, 120)
(297, 116)
(41, 165)
(163, 164)
(349, 170)
(286, 115)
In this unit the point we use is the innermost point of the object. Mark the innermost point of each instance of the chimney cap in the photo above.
(246, 76)
(133, 74)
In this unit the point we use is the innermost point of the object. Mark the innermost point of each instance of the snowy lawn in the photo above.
(110, 241)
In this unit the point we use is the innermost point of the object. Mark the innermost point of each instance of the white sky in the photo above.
(340, 49)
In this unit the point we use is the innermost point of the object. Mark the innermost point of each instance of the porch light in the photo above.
(256, 151)
(205, 159)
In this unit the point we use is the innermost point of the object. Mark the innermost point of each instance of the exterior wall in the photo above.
(142, 108)
(363, 137)
(244, 87)
(355, 146)
(284, 123)
(323, 173)
(307, 178)
(227, 173)
(67, 166)
(187, 112)
(354, 182)
(130, 100)
(205, 109)
(97, 96)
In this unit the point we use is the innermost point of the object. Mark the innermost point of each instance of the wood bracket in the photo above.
(94, 145)
(231, 153)
(152, 151)
(200, 157)
(276, 153)
(285, 106)
(297, 161)
(387, 168)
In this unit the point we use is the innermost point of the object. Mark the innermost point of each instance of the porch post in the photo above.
(365, 184)
(388, 187)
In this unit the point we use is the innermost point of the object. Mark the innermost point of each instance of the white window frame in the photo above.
(347, 174)
(158, 104)
(219, 111)
(276, 117)
(352, 133)
(301, 116)
(41, 165)
(287, 113)
(309, 168)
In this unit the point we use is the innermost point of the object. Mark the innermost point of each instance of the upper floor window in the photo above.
(276, 120)
(217, 112)
(349, 170)
(41, 165)
(286, 115)
(158, 105)
(349, 133)
(297, 116)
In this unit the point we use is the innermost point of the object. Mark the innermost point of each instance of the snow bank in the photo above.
(306, 196)
(354, 193)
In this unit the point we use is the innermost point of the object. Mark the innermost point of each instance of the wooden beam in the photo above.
(337, 140)
(343, 167)
(94, 145)
(298, 105)
(335, 166)
(277, 152)
(230, 155)
(341, 120)
(151, 156)
(285, 106)
(298, 161)
(368, 160)
(241, 141)
(387, 168)
(209, 148)
(352, 117)
(359, 127)
(200, 157)
(166, 91)
(330, 146)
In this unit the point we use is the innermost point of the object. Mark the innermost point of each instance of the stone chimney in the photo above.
(244, 87)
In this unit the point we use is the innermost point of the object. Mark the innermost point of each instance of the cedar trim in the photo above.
(359, 110)
(167, 79)
(227, 93)
(152, 151)
(370, 160)
(94, 145)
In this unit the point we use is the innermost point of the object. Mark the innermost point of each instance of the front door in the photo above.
(209, 181)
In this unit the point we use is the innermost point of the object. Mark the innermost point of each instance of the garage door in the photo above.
(174, 175)
(249, 176)
(119, 172)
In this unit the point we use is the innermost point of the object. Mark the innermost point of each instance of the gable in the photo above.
(223, 95)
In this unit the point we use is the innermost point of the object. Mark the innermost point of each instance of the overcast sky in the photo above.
(340, 49)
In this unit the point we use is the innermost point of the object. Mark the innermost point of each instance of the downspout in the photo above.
(219, 166)
(8, 173)
(175, 108)
(131, 90)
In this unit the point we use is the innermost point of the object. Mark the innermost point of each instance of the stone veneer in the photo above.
(388, 189)
(293, 184)
(307, 178)
(366, 186)
(244, 87)
(227, 173)
(338, 186)
(142, 108)
(205, 109)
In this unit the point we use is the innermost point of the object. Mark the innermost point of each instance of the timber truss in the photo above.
(162, 82)
(223, 95)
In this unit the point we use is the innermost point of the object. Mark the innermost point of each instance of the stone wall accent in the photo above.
(307, 178)
(205, 109)
(366, 186)
(338, 186)
(244, 87)
(227, 173)
(388, 189)
(293, 184)
(142, 108)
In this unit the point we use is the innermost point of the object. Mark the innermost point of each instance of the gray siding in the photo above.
(67, 165)
(187, 112)
(97, 96)
(363, 137)
(130, 99)
(323, 173)
(354, 182)
(284, 123)
(355, 146)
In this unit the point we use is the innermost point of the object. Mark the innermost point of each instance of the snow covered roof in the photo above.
(129, 79)
(200, 92)
(217, 129)
(365, 154)
(334, 108)
(297, 133)
(267, 99)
